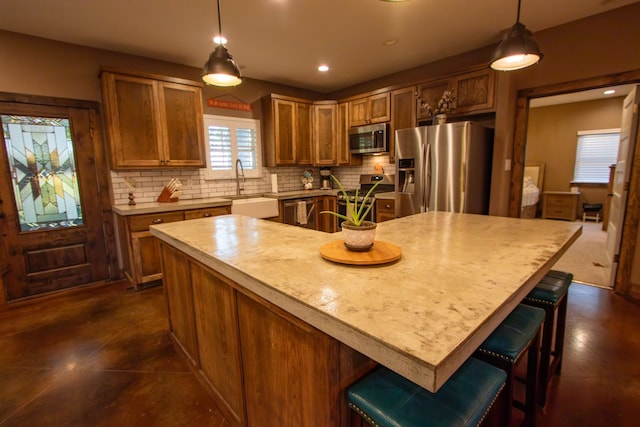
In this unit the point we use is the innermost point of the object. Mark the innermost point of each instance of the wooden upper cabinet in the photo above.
(403, 114)
(371, 109)
(152, 122)
(345, 158)
(429, 94)
(474, 91)
(183, 130)
(286, 131)
(324, 134)
(303, 135)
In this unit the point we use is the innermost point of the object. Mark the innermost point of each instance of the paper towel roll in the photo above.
(274, 182)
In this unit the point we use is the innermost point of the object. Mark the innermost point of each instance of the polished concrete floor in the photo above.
(101, 356)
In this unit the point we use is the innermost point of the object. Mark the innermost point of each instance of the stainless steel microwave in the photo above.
(369, 139)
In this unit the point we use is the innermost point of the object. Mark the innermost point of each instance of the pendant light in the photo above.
(518, 49)
(221, 69)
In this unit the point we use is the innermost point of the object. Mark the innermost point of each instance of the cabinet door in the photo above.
(289, 368)
(475, 91)
(385, 210)
(179, 293)
(379, 108)
(146, 259)
(403, 114)
(303, 135)
(324, 134)
(429, 94)
(217, 335)
(359, 112)
(284, 128)
(181, 113)
(133, 124)
(326, 222)
(342, 138)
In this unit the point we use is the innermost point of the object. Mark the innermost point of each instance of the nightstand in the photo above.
(560, 205)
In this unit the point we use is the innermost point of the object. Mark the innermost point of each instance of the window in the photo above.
(229, 139)
(596, 151)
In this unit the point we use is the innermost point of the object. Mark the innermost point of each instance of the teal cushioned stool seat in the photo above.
(386, 399)
(517, 335)
(551, 294)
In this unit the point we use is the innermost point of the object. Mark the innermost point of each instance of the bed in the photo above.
(531, 189)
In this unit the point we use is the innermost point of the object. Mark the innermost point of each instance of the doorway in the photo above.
(622, 282)
(55, 216)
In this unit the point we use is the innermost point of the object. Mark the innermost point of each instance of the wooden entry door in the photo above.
(54, 217)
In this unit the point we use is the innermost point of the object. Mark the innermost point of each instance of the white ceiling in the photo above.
(284, 41)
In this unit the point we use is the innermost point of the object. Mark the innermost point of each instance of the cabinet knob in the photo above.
(206, 215)
(158, 221)
(388, 206)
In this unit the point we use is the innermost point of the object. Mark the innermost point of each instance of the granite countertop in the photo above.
(284, 195)
(155, 207)
(386, 196)
(422, 316)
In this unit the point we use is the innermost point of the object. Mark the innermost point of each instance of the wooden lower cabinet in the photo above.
(218, 347)
(326, 222)
(385, 209)
(180, 301)
(139, 249)
(263, 366)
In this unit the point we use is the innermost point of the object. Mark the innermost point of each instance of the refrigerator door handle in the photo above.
(426, 190)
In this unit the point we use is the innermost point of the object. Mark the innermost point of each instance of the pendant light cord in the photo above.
(517, 17)
(220, 22)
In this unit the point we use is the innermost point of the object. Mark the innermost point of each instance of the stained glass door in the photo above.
(52, 184)
(43, 171)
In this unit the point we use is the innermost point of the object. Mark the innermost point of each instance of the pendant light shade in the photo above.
(221, 69)
(518, 49)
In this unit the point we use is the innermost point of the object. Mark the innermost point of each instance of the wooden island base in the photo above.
(262, 365)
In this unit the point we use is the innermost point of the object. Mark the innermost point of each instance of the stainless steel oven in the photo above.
(387, 184)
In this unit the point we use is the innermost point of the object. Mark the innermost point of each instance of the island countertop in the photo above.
(422, 316)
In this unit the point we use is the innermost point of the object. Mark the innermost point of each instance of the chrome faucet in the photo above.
(239, 187)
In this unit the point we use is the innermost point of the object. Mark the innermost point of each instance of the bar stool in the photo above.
(551, 294)
(518, 334)
(386, 399)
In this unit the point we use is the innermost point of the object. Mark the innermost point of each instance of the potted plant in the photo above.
(358, 234)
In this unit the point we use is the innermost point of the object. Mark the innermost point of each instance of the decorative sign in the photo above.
(229, 105)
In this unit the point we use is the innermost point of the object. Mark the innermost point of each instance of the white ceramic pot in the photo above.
(359, 238)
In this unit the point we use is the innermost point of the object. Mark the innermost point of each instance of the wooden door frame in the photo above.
(100, 162)
(632, 214)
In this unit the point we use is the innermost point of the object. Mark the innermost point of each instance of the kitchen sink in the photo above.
(257, 207)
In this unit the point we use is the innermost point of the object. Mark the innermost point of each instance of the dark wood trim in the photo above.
(20, 98)
(152, 76)
(630, 227)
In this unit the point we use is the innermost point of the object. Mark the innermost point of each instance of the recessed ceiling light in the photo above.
(220, 40)
(323, 68)
(609, 92)
(390, 42)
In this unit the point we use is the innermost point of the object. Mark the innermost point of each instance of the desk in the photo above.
(459, 276)
(560, 205)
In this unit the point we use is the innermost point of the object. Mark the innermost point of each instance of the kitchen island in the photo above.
(245, 295)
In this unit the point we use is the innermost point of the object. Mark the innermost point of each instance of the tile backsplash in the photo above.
(149, 183)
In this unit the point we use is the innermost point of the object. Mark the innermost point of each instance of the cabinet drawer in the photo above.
(559, 201)
(207, 212)
(142, 222)
(386, 206)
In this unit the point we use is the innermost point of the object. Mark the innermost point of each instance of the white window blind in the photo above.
(596, 151)
(229, 139)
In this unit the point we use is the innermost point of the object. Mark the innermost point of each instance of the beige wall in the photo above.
(552, 140)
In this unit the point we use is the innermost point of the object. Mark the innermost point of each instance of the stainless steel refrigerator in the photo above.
(443, 168)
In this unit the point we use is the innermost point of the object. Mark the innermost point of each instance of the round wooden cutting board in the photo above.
(381, 253)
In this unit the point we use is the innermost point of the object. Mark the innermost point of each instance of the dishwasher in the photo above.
(300, 212)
